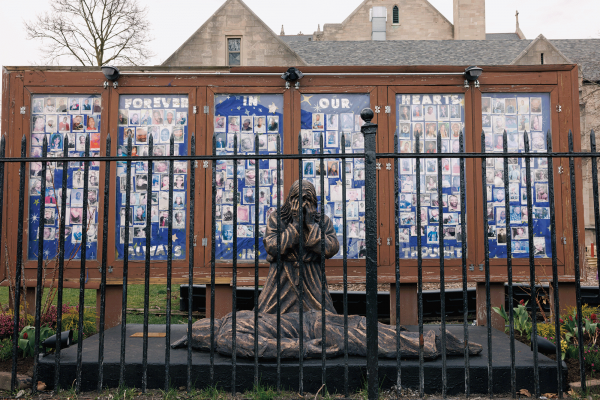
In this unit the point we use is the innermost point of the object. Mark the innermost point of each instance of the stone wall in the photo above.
(208, 45)
(418, 20)
(469, 19)
(533, 56)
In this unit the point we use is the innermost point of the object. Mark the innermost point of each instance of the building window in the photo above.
(395, 15)
(234, 46)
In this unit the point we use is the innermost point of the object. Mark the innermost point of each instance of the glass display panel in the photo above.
(245, 116)
(161, 116)
(426, 116)
(57, 117)
(517, 113)
(336, 117)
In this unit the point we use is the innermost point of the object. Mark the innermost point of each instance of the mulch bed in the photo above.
(24, 366)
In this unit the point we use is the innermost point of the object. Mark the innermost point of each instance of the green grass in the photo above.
(135, 299)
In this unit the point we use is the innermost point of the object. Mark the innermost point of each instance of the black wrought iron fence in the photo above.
(372, 350)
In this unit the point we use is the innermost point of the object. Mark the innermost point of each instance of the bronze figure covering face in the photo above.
(282, 243)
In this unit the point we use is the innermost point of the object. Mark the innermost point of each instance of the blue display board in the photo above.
(57, 117)
(426, 116)
(517, 113)
(161, 116)
(245, 116)
(336, 117)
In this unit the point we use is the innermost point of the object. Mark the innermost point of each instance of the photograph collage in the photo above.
(64, 120)
(160, 117)
(427, 117)
(334, 119)
(518, 114)
(249, 118)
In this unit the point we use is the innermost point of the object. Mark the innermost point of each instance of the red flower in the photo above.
(25, 335)
(561, 320)
(593, 317)
(522, 302)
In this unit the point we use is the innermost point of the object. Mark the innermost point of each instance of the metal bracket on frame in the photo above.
(558, 108)
(195, 240)
(23, 109)
(377, 109)
(205, 164)
(560, 169)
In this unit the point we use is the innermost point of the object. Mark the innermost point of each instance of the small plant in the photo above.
(521, 318)
(27, 339)
(5, 349)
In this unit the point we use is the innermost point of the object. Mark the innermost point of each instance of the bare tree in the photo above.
(94, 32)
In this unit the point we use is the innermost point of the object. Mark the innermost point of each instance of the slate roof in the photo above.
(295, 38)
(442, 52)
(501, 36)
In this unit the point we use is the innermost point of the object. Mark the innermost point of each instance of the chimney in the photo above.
(469, 19)
(378, 16)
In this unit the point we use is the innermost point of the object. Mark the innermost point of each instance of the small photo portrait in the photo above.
(250, 177)
(74, 215)
(243, 214)
(248, 197)
(247, 143)
(331, 139)
(491, 233)
(139, 215)
(358, 122)
(501, 236)
(406, 167)
(165, 135)
(511, 122)
(50, 216)
(523, 105)
(307, 138)
(178, 136)
(220, 124)
(169, 117)
(456, 129)
(181, 118)
(431, 166)
(430, 113)
(146, 117)
(123, 117)
(514, 173)
(523, 124)
(352, 194)
(449, 233)
(38, 123)
(430, 146)
(499, 123)
(540, 175)
(405, 201)
(498, 143)
(317, 121)
(333, 169)
(404, 235)
(358, 141)
(179, 219)
(179, 182)
(141, 136)
(264, 196)
(519, 232)
(450, 218)
(157, 117)
(501, 216)
(180, 167)
(134, 117)
(163, 219)
(417, 130)
(498, 195)
(37, 106)
(49, 233)
(92, 123)
(347, 121)
(272, 124)
(92, 233)
(359, 175)
(407, 218)
(332, 122)
(453, 203)
(513, 192)
(541, 193)
(260, 124)
(78, 125)
(539, 246)
(443, 112)
(404, 131)
(61, 106)
(94, 179)
(432, 235)
(272, 141)
(511, 106)
(405, 146)
(498, 106)
(141, 183)
(417, 112)
(406, 184)
(262, 142)
(431, 183)
(455, 112)
(404, 113)
(309, 168)
(536, 105)
(164, 182)
(515, 214)
(486, 121)
(536, 123)
(443, 128)
(247, 124)
(352, 210)
(430, 130)
(139, 233)
(486, 105)
(56, 142)
(51, 123)
(73, 105)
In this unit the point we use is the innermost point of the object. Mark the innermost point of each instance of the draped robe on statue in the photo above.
(289, 295)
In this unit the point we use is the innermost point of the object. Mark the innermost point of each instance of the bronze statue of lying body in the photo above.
(289, 295)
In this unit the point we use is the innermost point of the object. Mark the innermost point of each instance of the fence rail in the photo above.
(370, 156)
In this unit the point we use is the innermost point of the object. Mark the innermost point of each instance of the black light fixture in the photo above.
(291, 75)
(472, 74)
(66, 338)
(112, 74)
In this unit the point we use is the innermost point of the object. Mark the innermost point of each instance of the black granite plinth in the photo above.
(289, 368)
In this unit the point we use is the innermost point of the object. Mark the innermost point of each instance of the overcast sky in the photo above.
(174, 21)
